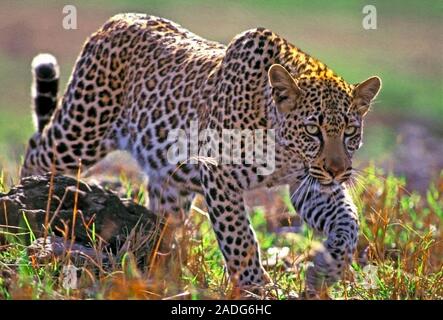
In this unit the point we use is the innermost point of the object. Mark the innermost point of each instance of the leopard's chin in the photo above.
(328, 182)
(321, 179)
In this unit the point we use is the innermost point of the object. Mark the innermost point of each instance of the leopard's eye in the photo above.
(349, 131)
(312, 129)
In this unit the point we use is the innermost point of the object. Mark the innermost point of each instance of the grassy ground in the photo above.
(400, 236)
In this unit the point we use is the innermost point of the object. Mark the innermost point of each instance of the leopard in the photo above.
(140, 77)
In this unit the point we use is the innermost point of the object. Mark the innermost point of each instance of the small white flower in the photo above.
(370, 277)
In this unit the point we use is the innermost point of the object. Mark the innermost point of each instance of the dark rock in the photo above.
(113, 218)
(44, 249)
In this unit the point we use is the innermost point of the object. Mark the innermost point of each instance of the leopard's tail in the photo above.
(44, 88)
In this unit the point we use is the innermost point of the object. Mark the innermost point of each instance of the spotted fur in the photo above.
(330, 211)
(140, 76)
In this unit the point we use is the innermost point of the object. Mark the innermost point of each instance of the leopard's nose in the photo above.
(336, 166)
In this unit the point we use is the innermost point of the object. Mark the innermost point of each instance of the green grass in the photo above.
(400, 231)
(417, 96)
(426, 8)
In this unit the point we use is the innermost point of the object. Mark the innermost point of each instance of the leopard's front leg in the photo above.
(234, 232)
(332, 212)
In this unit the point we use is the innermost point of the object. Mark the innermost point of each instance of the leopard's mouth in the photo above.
(327, 179)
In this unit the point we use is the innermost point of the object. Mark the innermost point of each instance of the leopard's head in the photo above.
(320, 118)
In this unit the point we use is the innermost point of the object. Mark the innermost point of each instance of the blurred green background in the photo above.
(404, 132)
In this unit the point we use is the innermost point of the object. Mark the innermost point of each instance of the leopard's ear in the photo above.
(365, 92)
(285, 90)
